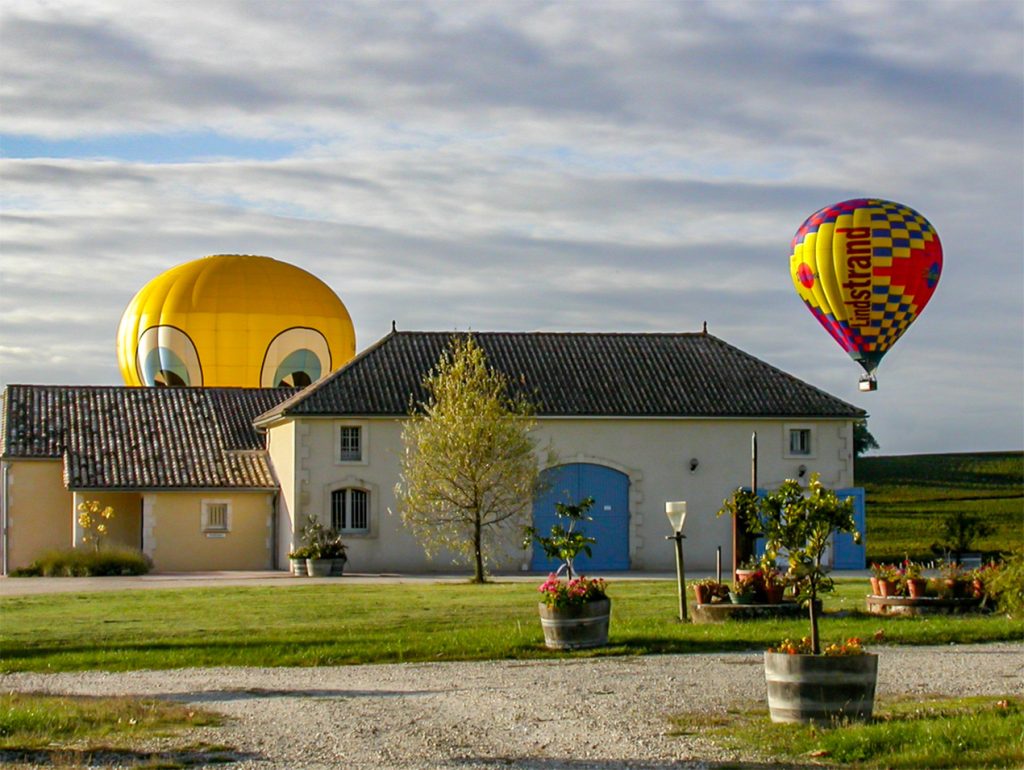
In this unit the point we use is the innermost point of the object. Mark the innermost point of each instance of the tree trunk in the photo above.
(815, 643)
(478, 555)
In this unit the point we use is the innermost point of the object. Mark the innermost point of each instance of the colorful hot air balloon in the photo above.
(866, 268)
(233, 320)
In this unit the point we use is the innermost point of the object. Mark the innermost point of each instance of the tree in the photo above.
(799, 523)
(469, 468)
(863, 441)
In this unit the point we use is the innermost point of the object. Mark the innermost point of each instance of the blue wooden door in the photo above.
(847, 554)
(610, 526)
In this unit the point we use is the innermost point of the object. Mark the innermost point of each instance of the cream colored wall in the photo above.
(175, 541)
(39, 510)
(281, 446)
(125, 527)
(655, 454)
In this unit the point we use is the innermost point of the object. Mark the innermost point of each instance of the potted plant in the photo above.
(706, 590)
(744, 590)
(334, 549)
(574, 612)
(916, 583)
(319, 547)
(803, 684)
(297, 560)
(956, 580)
(888, 578)
(774, 584)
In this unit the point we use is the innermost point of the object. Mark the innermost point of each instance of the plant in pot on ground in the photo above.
(324, 549)
(804, 684)
(574, 612)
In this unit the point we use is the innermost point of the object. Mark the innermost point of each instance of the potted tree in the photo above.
(323, 549)
(574, 612)
(804, 684)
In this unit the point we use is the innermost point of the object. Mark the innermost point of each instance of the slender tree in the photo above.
(470, 464)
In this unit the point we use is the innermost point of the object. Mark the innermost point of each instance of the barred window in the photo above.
(350, 510)
(350, 447)
(216, 516)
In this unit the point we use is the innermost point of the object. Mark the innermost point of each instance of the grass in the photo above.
(357, 623)
(908, 497)
(947, 733)
(72, 731)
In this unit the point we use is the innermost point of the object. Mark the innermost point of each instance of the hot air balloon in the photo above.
(866, 268)
(233, 320)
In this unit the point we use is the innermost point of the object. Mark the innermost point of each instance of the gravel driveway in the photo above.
(605, 714)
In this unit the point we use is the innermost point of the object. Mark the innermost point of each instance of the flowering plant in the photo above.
(93, 518)
(885, 572)
(912, 569)
(559, 594)
(747, 585)
(852, 646)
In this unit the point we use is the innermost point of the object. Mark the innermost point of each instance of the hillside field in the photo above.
(909, 497)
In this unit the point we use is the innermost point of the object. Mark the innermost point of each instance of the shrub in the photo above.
(107, 561)
(1006, 585)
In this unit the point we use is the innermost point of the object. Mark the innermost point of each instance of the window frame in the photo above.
(205, 524)
(348, 495)
(340, 457)
(373, 498)
(807, 429)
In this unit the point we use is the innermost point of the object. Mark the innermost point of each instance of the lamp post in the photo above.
(676, 513)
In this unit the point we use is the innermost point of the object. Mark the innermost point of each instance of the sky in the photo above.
(621, 166)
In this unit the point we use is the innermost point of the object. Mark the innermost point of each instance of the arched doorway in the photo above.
(610, 490)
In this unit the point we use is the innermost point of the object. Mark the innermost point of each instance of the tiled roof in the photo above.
(602, 375)
(142, 438)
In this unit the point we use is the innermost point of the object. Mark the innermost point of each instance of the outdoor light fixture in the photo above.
(694, 462)
(802, 471)
(676, 512)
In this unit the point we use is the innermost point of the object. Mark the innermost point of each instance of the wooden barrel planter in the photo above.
(576, 628)
(820, 688)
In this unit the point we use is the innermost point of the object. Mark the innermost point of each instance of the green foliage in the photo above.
(93, 518)
(357, 623)
(1006, 585)
(910, 496)
(321, 542)
(863, 441)
(103, 562)
(799, 522)
(469, 466)
(960, 530)
(564, 542)
(948, 733)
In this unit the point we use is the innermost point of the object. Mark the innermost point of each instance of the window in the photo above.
(800, 441)
(350, 510)
(350, 443)
(216, 516)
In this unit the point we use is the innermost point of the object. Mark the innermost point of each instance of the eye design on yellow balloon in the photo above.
(166, 356)
(295, 357)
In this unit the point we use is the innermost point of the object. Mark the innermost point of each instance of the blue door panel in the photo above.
(846, 554)
(610, 513)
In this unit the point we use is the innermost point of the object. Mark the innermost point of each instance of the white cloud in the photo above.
(600, 166)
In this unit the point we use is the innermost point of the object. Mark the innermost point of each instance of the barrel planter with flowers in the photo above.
(802, 687)
(574, 612)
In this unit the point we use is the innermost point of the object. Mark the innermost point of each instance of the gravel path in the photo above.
(605, 714)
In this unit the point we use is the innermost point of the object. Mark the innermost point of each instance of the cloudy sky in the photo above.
(521, 165)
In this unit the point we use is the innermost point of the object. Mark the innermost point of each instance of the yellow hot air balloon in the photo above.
(233, 320)
(866, 268)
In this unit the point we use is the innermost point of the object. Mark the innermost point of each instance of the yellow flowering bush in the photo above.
(93, 518)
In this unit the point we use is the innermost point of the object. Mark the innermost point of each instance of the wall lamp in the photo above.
(694, 462)
(802, 471)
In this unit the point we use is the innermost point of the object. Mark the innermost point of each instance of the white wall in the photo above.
(655, 454)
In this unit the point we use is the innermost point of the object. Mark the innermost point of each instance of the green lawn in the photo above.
(908, 497)
(346, 623)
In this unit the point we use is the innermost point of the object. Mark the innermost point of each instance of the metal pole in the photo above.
(681, 575)
(718, 565)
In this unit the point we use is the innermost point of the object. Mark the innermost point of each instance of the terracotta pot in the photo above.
(702, 594)
(774, 593)
(874, 586)
(978, 588)
(886, 587)
(916, 587)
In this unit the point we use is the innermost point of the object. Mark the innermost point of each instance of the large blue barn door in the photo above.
(610, 490)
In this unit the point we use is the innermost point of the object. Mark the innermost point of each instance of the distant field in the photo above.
(908, 497)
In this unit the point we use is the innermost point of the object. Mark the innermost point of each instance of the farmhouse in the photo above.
(222, 478)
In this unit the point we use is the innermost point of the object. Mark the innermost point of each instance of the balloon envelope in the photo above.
(866, 268)
(233, 320)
